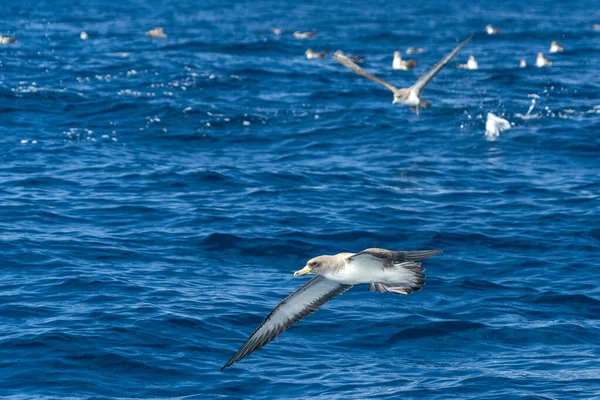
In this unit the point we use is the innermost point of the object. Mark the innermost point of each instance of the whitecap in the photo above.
(494, 125)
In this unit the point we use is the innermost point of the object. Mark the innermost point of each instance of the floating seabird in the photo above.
(83, 35)
(555, 47)
(400, 64)
(523, 63)
(494, 125)
(414, 50)
(491, 30)
(276, 31)
(157, 32)
(312, 55)
(541, 61)
(7, 40)
(596, 27)
(384, 270)
(304, 35)
(471, 64)
(408, 96)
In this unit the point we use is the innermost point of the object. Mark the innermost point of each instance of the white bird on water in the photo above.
(311, 55)
(491, 30)
(400, 64)
(494, 125)
(555, 47)
(471, 64)
(7, 40)
(410, 96)
(522, 63)
(542, 61)
(384, 270)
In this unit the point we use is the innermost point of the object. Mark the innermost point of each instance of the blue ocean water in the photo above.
(157, 195)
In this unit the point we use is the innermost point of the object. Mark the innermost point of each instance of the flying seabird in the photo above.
(384, 270)
(471, 64)
(408, 96)
(414, 50)
(491, 30)
(312, 55)
(541, 61)
(400, 64)
(555, 47)
(7, 40)
(523, 63)
(304, 35)
(157, 32)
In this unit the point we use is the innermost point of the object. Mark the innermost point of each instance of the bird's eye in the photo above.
(314, 264)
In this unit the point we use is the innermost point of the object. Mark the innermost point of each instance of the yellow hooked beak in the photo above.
(305, 270)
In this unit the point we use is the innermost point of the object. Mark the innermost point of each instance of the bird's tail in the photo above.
(410, 279)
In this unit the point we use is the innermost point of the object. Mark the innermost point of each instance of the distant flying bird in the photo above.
(384, 270)
(7, 40)
(157, 32)
(313, 55)
(541, 61)
(471, 64)
(400, 64)
(414, 50)
(304, 35)
(555, 47)
(408, 96)
(491, 30)
(523, 63)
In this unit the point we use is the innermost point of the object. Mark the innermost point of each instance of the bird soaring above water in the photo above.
(384, 270)
(410, 96)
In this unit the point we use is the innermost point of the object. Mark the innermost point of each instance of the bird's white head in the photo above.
(318, 265)
(396, 54)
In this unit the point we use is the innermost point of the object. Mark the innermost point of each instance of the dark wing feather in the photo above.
(296, 306)
(419, 85)
(346, 62)
(399, 256)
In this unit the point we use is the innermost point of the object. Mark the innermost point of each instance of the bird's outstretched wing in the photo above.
(346, 62)
(296, 306)
(420, 84)
(398, 256)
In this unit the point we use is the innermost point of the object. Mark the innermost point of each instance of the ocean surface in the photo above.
(157, 195)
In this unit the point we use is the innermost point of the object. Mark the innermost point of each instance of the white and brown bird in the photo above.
(7, 40)
(311, 55)
(555, 47)
(157, 32)
(415, 50)
(491, 30)
(542, 61)
(410, 96)
(400, 64)
(471, 64)
(304, 35)
(398, 272)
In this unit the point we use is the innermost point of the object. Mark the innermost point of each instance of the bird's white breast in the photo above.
(396, 64)
(365, 270)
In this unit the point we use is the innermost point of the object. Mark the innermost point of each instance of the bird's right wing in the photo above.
(296, 306)
(346, 62)
(419, 85)
(398, 256)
